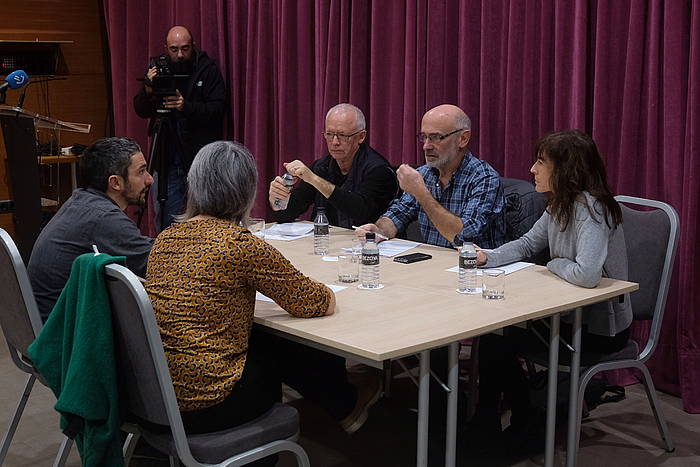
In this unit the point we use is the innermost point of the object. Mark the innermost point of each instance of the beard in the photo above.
(182, 68)
(138, 200)
(438, 163)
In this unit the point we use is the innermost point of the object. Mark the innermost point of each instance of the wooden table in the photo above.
(419, 309)
(71, 159)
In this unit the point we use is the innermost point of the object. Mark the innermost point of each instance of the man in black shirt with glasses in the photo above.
(353, 181)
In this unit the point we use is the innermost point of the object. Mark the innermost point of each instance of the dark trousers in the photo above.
(317, 376)
(500, 371)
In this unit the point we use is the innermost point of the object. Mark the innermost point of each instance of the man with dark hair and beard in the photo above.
(195, 112)
(115, 176)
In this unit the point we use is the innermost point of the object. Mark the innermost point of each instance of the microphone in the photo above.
(14, 80)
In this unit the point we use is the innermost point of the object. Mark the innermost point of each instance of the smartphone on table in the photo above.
(412, 258)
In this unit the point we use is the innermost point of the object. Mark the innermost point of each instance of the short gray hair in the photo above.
(359, 116)
(463, 121)
(221, 182)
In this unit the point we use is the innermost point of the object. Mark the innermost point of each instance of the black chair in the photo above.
(148, 393)
(21, 324)
(524, 206)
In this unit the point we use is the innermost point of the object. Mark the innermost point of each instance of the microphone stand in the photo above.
(20, 102)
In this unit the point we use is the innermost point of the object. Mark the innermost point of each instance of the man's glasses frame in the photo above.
(343, 138)
(436, 137)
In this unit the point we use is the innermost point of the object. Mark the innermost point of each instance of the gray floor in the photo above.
(619, 434)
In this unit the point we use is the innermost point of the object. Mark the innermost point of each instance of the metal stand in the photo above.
(163, 131)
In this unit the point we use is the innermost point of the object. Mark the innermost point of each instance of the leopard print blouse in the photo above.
(202, 277)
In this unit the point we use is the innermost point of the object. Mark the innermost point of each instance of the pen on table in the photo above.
(383, 237)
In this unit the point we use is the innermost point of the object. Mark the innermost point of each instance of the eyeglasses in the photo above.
(435, 137)
(341, 137)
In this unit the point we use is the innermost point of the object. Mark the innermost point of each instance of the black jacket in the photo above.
(360, 197)
(201, 120)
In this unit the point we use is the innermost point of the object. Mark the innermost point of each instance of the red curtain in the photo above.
(627, 72)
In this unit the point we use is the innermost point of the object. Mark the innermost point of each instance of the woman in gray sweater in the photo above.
(582, 229)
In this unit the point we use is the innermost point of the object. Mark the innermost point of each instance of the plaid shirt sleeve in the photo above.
(402, 211)
(484, 196)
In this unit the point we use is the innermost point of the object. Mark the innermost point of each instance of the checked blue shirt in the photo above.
(474, 194)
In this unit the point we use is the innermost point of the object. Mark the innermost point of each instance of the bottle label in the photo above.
(370, 259)
(321, 229)
(466, 262)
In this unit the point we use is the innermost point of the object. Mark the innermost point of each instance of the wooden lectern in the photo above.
(19, 128)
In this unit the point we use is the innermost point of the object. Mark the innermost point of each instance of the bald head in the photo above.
(178, 33)
(179, 44)
(450, 115)
(445, 132)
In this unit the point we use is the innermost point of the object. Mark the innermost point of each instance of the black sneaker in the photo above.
(483, 432)
(527, 435)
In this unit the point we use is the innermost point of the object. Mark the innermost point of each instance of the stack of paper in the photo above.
(390, 248)
(289, 231)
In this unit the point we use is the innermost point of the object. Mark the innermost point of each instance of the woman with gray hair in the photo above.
(203, 273)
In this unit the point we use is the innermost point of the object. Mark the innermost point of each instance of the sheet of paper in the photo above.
(508, 268)
(289, 231)
(390, 248)
(395, 247)
(333, 287)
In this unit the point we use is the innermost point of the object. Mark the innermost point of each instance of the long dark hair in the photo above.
(576, 167)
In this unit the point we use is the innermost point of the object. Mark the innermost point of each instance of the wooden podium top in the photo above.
(60, 159)
(41, 121)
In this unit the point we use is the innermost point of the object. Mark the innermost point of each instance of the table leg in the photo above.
(552, 390)
(423, 409)
(452, 396)
(73, 177)
(573, 425)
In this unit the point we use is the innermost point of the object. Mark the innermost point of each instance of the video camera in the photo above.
(166, 82)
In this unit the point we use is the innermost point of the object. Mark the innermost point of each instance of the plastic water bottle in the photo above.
(281, 203)
(369, 276)
(321, 235)
(466, 283)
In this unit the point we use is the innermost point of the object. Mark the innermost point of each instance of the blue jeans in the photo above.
(177, 194)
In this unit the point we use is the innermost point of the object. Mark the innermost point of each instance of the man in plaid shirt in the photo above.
(455, 197)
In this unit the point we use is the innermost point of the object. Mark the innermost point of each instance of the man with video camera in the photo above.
(184, 96)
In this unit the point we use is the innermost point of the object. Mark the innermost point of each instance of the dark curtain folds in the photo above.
(628, 72)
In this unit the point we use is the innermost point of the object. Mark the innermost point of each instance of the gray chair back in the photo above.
(651, 237)
(21, 323)
(147, 390)
(19, 315)
(141, 362)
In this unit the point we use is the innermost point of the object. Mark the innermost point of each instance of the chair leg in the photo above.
(129, 447)
(656, 408)
(299, 453)
(7, 439)
(63, 452)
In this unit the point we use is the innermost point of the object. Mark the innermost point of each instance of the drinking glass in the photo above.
(493, 283)
(348, 268)
(257, 227)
